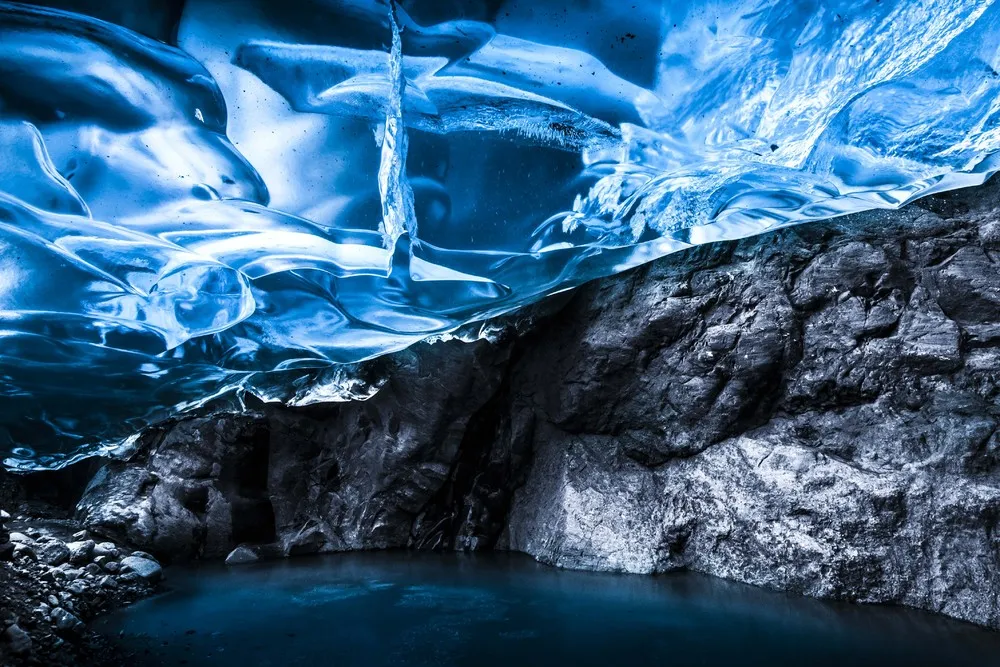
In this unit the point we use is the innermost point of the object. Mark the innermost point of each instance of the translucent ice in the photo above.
(287, 189)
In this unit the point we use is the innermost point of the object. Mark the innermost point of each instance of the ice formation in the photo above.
(285, 191)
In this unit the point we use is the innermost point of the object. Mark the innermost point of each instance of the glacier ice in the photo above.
(276, 192)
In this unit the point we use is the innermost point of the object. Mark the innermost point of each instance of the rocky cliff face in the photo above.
(814, 410)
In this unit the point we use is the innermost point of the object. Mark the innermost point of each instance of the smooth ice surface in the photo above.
(286, 189)
(382, 609)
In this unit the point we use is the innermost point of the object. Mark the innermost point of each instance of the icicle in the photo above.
(398, 216)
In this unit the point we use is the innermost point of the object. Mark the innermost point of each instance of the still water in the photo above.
(377, 609)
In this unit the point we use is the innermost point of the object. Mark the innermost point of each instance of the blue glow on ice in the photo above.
(284, 192)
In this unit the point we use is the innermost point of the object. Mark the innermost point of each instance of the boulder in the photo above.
(52, 552)
(18, 641)
(146, 569)
(65, 622)
(80, 553)
(242, 555)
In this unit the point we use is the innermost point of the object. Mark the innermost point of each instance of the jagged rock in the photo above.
(332, 478)
(242, 555)
(814, 411)
(145, 568)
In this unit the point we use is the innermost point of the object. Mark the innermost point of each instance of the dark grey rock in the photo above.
(80, 553)
(146, 569)
(817, 414)
(331, 478)
(105, 550)
(66, 622)
(242, 555)
(18, 641)
(24, 552)
(52, 552)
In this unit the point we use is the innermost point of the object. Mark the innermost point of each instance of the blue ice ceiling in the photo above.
(210, 199)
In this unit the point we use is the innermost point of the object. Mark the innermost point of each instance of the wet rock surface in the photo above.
(53, 579)
(813, 410)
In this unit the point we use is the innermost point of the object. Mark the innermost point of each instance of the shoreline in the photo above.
(57, 577)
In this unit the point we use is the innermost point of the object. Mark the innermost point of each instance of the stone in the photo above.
(52, 552)
(7, 551)
(112, 567)
(108, 582)
(105, 550)
(80, 536)
(93, 569)
(65, 622)
(242, 555)
(76, 587)
(81, 552)
(24, 552)
(18, 641)
(4, 516)
(148, 570)
(20, 538)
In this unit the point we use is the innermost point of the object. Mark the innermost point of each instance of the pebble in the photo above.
(23, 552)
(81, 552)
(105, 550)
(53, 552)
(65, 621)
(17, 639)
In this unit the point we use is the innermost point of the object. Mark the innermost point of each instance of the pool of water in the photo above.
(377, 609)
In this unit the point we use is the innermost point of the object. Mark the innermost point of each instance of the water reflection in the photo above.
(431, 609)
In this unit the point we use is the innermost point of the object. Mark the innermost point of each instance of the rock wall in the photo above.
(812, 410)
